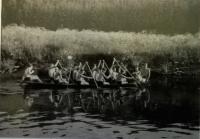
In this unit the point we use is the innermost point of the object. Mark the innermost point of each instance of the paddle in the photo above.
(99, 64)
(107, 65)
(128, 72)
(69, 74)
(92, 75)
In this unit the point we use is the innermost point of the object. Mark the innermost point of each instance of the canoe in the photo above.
(37, 85)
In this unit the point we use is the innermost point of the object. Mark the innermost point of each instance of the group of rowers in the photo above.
(100, 74)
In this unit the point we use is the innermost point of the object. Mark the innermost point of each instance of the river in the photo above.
(162, 110)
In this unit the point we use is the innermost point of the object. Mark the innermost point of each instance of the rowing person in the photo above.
(52, 69)
(113, 74)
(79, 75)
(99, 76)
(76, 74)
(146, 72)
(121, 77)
(139, 76)
(55, 73)
(29, 74)
(57, 76)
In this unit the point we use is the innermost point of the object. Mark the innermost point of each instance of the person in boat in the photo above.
(99, 76)
(55, 73)
(84, 77)
(114, 74)
(75, 73)
(106, 77)
(29, 76)
(122, 79)
(57, 76)
(122, 76)
(52, 69)
(146, 72)
(138, 75)
(79, 75)
(67, 73)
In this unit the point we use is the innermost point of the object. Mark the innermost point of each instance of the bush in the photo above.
(39, 44)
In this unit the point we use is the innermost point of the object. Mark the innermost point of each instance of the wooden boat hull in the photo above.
(35, 85)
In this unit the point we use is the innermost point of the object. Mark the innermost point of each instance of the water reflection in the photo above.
(163, 107)
(90, 100)
(48, 100)
(157, 112)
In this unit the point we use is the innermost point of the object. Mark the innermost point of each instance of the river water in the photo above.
(162, 110)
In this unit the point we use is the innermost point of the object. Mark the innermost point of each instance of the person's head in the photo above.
(80, 64)
(30, 65)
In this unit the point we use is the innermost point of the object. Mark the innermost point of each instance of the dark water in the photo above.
(162, 110)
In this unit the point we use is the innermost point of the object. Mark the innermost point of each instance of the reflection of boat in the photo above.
(37, 85)
(93, 100)
(47, 99)
(114, 100)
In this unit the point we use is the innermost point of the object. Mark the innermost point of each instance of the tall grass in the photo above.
(161, 16)
(39, 44)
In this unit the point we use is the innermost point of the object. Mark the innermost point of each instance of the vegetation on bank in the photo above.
(160, 16)
(26, 44)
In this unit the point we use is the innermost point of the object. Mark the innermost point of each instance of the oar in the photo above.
(58, 62)
(114, 60)
(81, 67)
(69, 74)
(92, 75)
(129, 73)
(107, 65)
(124, 68)
(99, 64)
(60, 65)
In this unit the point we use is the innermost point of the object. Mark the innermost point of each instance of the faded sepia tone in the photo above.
(152, 46)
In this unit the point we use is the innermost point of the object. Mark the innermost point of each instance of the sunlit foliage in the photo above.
(41, 44)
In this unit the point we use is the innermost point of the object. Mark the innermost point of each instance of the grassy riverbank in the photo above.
(39, 44)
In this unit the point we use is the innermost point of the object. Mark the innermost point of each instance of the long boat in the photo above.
(37, 85)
